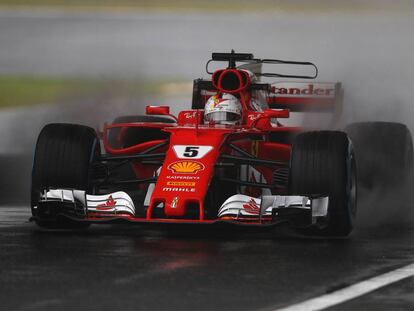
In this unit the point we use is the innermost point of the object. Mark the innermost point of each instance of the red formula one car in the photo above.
(228, 159)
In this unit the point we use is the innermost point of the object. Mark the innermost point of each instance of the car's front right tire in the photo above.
(323, 163)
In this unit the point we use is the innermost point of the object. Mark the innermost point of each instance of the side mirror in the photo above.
(262, 121)
(280, 113)
(158, 110)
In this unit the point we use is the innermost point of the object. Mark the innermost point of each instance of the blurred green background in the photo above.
(28, 89)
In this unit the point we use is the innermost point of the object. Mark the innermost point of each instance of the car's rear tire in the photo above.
(63, 157)
(322, 162)
(383, 151)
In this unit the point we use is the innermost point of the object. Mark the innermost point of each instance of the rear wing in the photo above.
(305, 96)
(204, 89)
(295, 96)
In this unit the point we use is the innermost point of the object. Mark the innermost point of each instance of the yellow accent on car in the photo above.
(189, 167)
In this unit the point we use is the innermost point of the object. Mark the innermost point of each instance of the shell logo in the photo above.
(186, 167)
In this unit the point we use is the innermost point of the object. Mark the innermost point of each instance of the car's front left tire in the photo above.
(63, 157)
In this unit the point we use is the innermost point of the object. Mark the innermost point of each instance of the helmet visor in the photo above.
(222, 116)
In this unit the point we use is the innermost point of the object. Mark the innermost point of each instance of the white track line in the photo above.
(353, 291)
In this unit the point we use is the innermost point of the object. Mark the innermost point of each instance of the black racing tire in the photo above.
(63, 157)
(322, 162)
(383, 151)
(136, 136)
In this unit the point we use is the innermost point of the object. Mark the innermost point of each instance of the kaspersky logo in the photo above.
(186, 167)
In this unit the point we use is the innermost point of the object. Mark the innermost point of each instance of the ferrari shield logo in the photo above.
(174, 202)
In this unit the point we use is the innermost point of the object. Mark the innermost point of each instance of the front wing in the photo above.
(239, 209)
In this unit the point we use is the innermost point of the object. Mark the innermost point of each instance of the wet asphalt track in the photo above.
(136, 267)
(120, 267)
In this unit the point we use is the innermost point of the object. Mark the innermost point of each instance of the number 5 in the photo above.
(191, 152)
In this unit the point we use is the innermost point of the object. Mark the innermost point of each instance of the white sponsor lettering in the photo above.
(298, 89)
(190, 115)
(175, 177)
(178, 189)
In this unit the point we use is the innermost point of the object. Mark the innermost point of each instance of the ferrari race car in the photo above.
(229, 159)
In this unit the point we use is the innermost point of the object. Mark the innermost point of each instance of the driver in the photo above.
(223, 109)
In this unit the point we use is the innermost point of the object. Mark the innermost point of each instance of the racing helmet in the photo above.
(223, 109)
